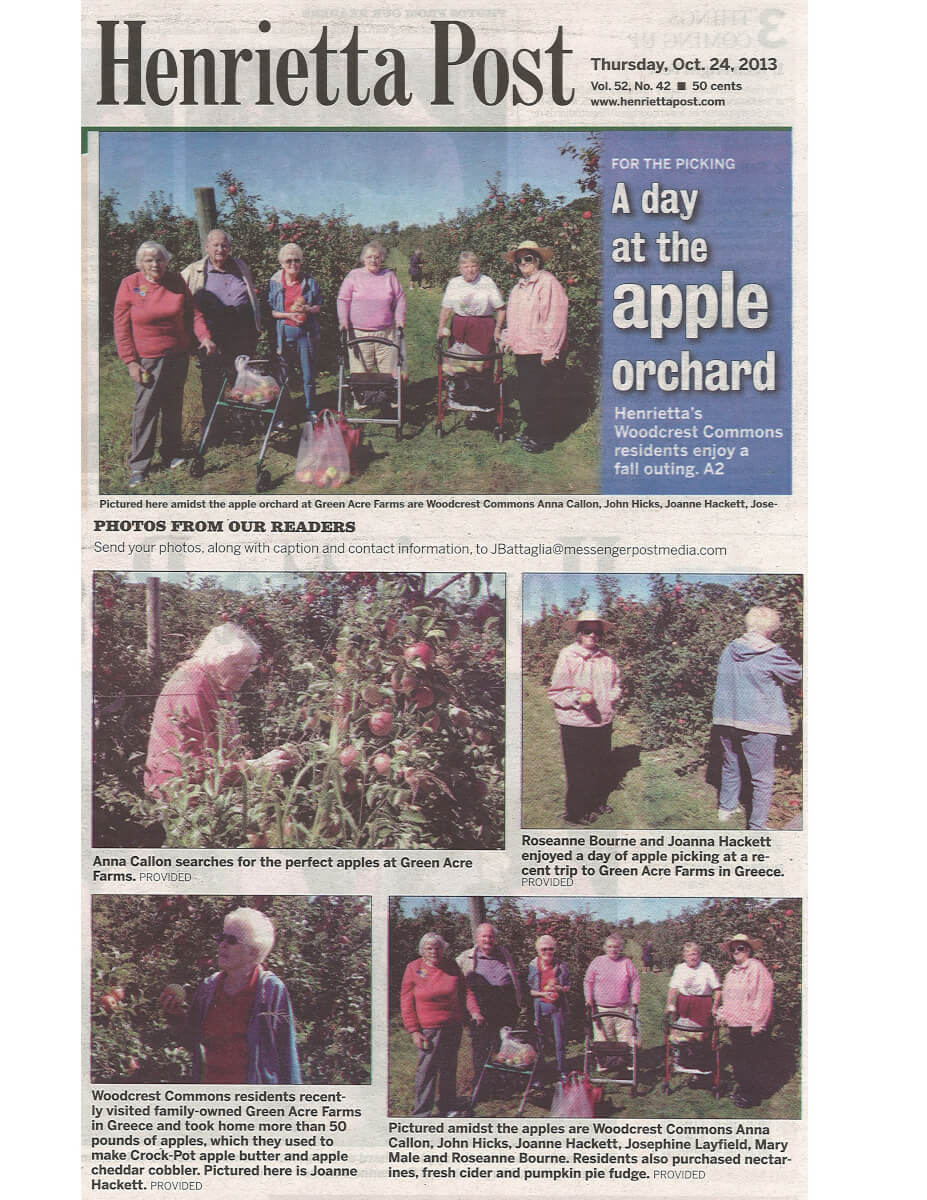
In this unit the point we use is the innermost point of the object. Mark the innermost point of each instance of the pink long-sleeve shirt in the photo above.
(747, 996)
(369, 300)
(536, 316)
(577, 671)
(611, 983)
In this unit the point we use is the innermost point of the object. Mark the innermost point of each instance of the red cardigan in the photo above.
(432, 997)
(152, 319)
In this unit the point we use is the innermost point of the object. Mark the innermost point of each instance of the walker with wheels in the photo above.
(371, 387)
(469, 383)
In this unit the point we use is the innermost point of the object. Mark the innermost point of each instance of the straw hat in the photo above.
(543, 252)
(587, 616)
(754, 943)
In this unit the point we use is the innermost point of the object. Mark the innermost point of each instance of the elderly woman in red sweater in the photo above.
(434, 1000)
(155, 323)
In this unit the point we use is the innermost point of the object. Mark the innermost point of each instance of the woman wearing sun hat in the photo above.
(746, 1010)
(584, 689)
(536, 333)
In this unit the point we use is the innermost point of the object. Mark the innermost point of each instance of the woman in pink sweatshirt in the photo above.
(372, 304)
(584, 689)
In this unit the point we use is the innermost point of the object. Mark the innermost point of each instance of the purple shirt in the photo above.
(369, 300)
(494, 970)
(227, 286)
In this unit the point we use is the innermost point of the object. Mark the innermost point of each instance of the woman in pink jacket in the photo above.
(584, 689)
(536, 333)
(746, 1010)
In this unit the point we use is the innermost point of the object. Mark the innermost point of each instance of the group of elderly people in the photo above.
(213, 308)
(482, 987)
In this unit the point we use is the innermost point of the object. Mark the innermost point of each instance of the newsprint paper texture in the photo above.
(444, 555)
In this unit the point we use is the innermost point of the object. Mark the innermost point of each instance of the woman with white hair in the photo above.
(472, 315)
(190, 729)
(372, 304)
(434, 1001)
(584, 690)
(295, 301)
(750, 713)
(155, 323)
(549, 984)
(240, 1026)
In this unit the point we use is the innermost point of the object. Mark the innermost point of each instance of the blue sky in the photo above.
(640, 908)
(374, 178)
(562, 589)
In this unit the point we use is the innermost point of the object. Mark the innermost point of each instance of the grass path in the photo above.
(651, 795)
(682, 1102)
(465, 461)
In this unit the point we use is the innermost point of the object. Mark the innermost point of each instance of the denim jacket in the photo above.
(312, 294)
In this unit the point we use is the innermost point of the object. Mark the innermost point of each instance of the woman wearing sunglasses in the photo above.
(240, 1023)
(746, 1010)
(295, 301)
(536, 333)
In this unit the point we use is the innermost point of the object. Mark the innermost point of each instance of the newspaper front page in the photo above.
(444, 555)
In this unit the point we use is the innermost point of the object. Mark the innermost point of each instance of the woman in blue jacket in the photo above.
(751, 714)
(295, 301)
(549, 983)
(240, 1027)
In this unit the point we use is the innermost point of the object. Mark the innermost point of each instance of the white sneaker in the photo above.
(725, 814)
(175, 463)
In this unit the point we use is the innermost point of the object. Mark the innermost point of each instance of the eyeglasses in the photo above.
(739, 949)
(229, 938)
(526, 258)
(296, 260)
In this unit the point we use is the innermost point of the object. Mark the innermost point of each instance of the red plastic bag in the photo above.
(353, 439)
(322, 459)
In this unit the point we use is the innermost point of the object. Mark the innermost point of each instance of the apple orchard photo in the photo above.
(298, 710)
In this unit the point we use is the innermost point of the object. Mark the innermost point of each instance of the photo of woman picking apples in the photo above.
(299, 710)
(584, 689)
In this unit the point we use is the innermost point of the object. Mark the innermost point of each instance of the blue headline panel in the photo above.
(697, 313)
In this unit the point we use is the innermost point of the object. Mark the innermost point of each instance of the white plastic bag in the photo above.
(250, 387)
(512, 1051)
(322, 459)
(571, 1098)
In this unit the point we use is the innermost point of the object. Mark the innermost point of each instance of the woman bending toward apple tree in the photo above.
(192, 726)
(584, 689)
(240, 1023)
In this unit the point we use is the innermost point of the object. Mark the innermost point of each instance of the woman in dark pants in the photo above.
(536, 332)
(746, 1010)
(584, 689)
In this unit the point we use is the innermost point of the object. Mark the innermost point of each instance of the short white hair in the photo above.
(225, 643)
(432, 938)
(545, 937)
(219, 233)
(257, 927)
(762, 620)
(468, 256)
(146, 247)
(284, 250)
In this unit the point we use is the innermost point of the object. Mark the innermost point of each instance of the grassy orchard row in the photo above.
(142, 944)
(391, 699)
(667, 649)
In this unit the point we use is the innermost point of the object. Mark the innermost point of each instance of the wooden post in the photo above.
(206, 218)
(153, 621)
(477, 906)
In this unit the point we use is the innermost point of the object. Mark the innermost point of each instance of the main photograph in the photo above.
(439, 293)
(353, 710)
